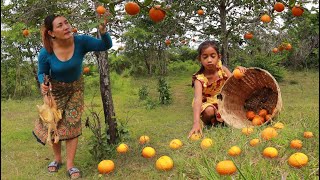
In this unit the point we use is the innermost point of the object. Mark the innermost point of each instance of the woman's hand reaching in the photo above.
(102, 26)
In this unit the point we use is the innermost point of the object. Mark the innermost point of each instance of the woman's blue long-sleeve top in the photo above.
(70, 70)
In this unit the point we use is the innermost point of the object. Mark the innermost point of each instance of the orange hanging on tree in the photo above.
(248, 35)
(297, 10)
(278, 6)
(101, 10)
(132, 8)
(156, 14)
(265, 18)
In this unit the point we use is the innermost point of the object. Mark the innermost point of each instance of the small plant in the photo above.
(164, 90)
(150, 103)
(143, 92)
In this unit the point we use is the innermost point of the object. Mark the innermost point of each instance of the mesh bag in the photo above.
(257, 90)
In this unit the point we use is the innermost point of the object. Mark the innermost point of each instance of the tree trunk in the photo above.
(106, 95)
(224, 34)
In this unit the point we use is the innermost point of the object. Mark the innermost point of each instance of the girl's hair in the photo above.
(204, 45)
(48, 26)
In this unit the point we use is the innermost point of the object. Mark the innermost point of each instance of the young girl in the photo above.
(207, 83)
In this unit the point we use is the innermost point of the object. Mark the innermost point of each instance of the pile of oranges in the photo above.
(258, 117)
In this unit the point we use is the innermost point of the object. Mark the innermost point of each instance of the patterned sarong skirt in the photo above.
(69, 98)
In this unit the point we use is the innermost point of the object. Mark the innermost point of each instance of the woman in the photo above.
(61, 59)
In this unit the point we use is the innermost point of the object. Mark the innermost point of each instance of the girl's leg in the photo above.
(71, 148)
(207, 115)
(57, 154)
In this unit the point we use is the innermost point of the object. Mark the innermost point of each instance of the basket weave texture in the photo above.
(257, 90)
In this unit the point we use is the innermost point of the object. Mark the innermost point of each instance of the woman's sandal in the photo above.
(72, 171)
(55, 165)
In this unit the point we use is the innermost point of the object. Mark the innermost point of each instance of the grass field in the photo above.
(23, 158)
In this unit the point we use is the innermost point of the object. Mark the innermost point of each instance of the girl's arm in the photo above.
(197, 108)
(94, 44)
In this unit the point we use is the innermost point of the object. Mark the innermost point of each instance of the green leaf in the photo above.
(292, 3)
(111, 9)
(104, 1)
(147, 2)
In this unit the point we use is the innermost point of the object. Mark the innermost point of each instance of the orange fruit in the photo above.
(200, 12)
(254, 142)
(298, 160)
(250, 115)
(206, 143)
(164, 163)
(270, 152)
(101, 10)
(296, 144)
(86, 70)
(237, 74)
(269, 133)
(226, 167)
(278, 125)
(247, 130)
(168, 42)
(308, 134)
(275, 50)
(263, 113)
(175, 144)
(248, 35)
(288, 47)
(195, 137)
(156, 14)
(234, 151)
(25, 32)
(268, 117)
(297, 10)
(132, 8)
(278, 6)
(122, 148)
(148, 152)
(265, 18)
(105, 166)
(144, 139)
(257, 120)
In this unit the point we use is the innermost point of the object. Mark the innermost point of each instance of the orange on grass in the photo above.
(105, 166)
(247, 130)
(250, 115)
(308, 134)
(278, 125)
(263, 113)
(156, 14)
(254, 142)
(257, 120)
(122, 148)
(297, 10)
(25, 32)
(132, 8)
(148, 152)
(226, 167)
(86, 70)
(206, 143)
(298, 160)
(296, 144)
(265, 18)
(288, 46)
(144, 139)
(270, 152)
(175, 144)
(234, 151)
(269, 133)
(101, 10)
(195, 137)
(278, 6)
(200, 12)
(237, 73)
(164, 163)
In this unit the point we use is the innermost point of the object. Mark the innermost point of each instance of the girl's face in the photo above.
(209, 58)
(61, 28)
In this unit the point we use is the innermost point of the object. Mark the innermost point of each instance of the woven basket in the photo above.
(256, 90)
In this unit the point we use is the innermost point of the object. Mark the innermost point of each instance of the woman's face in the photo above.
(209, 58)
(61, 28)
